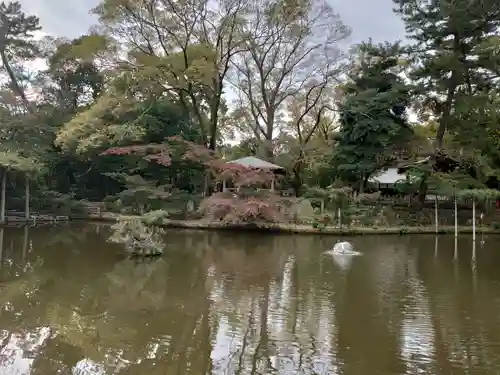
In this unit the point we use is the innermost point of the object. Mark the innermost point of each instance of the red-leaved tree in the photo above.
(244, 206)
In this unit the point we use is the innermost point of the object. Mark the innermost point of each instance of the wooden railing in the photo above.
(95, 208)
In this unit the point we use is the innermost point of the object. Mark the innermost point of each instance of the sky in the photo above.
(367, 18)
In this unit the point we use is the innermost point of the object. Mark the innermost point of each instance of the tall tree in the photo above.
(72, 79)
(457, 68)
(309, 132)
(183, 47)
(456, 63)
(374, 131)
(17, 44)
(291, 49)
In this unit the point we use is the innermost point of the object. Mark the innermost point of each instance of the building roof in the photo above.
(253, 162)
(389, 176)
(407, 163)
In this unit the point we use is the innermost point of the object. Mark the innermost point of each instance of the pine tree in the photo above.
(456, 58)
(457, 65)
(16, 43)
(374, 129)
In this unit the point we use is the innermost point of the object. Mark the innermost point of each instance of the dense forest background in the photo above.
(111, 115)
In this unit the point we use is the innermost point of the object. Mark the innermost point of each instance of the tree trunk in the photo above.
(297, 179)
(422, 189)
(207, 185)
(18, 90)
(364, 183)
(297, 185)
(266, 151)
(212, 145)
(450, 96)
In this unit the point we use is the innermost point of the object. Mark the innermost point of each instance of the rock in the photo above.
(304, 211)
(190, 207)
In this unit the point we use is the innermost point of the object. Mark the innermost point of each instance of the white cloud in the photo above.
(62, 17)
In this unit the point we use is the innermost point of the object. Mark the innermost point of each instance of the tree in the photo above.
(73, 79)
(19, 147)
(309, 131)
(17, 44)
(290, 51)
(184, 49)
(374, 131)
(109, 123)
(455, 56)
(456, 66)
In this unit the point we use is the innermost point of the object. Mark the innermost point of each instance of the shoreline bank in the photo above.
(300, 228)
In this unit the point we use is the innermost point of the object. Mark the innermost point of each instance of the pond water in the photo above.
(234, 303)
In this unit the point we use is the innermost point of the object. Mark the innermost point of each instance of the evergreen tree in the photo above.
(374, 129)
(456, 60)
(456, 65)
(17, 44)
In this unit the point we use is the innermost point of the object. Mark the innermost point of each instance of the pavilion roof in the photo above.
(253, 162)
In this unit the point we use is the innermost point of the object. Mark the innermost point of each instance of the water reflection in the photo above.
(223, 303)
(1, 248)
(343, 261)
(455, 248)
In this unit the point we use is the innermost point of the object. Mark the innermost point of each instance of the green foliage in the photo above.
(374, 129)
(137, 238)
(458, 62)
(155, 217)
(72, 78)
(125, 124)
(140, 194)
(479, 195)
(17, 31)
(45, 201)
(12, 160)
(332, 197)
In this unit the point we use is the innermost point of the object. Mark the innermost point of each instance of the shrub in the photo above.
(155, 217)
(232, 208)
(138, 239)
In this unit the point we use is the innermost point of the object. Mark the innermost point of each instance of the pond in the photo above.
(234, 303)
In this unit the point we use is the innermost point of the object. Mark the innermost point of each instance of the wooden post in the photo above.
(322, 206)
(473, 219)
(436, 217)
(27, 199)
(224, 185)
(2, 195)
(339, 217)
(272, 184)
(456, 218)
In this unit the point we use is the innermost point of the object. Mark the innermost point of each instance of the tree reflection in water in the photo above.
(225, 303)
